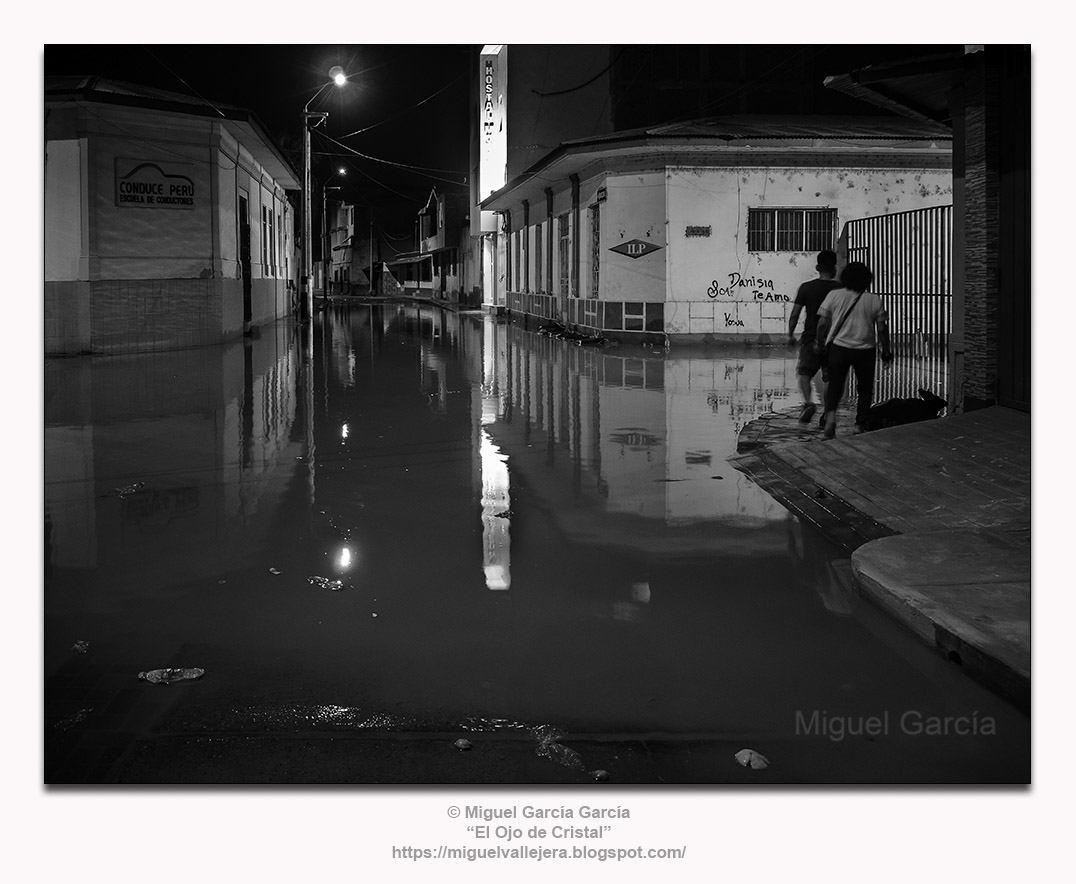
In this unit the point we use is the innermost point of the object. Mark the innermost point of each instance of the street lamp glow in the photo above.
(306, 291)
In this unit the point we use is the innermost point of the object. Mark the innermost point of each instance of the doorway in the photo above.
(244, 261)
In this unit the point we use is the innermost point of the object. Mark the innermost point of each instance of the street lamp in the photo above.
(337, 78)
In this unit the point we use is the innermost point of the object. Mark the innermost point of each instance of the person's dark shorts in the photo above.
(809, 362)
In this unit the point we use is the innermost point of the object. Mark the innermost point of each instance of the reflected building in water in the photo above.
(623, 449)
(211, 435)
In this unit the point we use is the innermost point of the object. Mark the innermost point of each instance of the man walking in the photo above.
(854, 324)
(809, 298)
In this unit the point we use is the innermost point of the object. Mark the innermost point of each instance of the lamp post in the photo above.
(338, 78)
(326, 238)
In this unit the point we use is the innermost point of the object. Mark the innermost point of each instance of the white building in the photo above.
(702, 231)
(166, 220)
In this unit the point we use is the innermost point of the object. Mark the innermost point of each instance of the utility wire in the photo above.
(406, 111)
(184, 82)
(420, 170)
(581, 85)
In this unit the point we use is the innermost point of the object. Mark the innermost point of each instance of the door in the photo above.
(244, 260)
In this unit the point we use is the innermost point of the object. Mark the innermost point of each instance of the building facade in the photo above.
(702, 232)
(167, 221)
(434, 270)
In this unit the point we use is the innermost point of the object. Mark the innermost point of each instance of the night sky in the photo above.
(401, 125)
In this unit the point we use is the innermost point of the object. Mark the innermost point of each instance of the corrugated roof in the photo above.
(737, 128)
(700, 139)
(917, 88)
(103, 88)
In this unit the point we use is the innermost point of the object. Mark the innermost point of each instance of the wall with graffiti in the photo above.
(741, 240)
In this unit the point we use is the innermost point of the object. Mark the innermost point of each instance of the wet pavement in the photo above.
(421, 526)
(937, 516)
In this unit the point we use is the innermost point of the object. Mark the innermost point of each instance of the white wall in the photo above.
(64, 207)
(634, 209)
(716, 286)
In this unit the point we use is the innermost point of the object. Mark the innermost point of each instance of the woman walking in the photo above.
(852, 327)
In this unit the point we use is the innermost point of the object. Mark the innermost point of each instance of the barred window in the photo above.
(791, 230)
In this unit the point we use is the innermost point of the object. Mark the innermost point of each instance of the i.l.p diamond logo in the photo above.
(635, 248)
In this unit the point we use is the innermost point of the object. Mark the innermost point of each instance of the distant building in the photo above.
(701, 231)
(167, 220)
(434, 270)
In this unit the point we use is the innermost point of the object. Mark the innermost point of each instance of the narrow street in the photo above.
(425, 526)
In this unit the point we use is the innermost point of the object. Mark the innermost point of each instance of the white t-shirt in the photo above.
(857, 331)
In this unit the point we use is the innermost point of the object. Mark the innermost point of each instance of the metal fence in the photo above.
(911, 256)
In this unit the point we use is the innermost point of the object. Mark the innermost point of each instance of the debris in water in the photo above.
(462, 744)
(599, 776)
(170, 676)
(752, 759)
(373, 615)
(67, 723)
(123, 490)
(273, 571)
(80, 647)
(548, 747)
(326, 583)
(640, 591)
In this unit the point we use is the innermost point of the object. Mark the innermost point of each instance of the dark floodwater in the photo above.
(526, 532)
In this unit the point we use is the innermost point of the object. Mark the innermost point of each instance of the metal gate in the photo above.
(911, 256)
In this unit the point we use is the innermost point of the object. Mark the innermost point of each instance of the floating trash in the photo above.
(463, 744)
(640, 591)
(274, 571)
(326, 583)
(67, 723)
(170, 676)
(549, 747)
(752, 759)
(80, 647)
(599, 776)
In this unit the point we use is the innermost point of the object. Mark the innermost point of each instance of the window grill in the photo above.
(791, 230)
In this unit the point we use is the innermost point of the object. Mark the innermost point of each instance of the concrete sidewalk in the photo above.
(936, 517)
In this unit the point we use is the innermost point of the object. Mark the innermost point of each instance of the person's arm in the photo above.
(882, 324)
(792, 320)
(825, 319)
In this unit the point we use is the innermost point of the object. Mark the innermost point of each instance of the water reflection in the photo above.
(631, 447)
(524, 533)
(209, 434)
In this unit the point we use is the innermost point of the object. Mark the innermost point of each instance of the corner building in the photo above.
(167, 220)
(702, 231)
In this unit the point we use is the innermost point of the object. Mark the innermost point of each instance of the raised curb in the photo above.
(967, 592)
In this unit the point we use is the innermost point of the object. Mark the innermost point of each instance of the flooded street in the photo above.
(511, 533)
